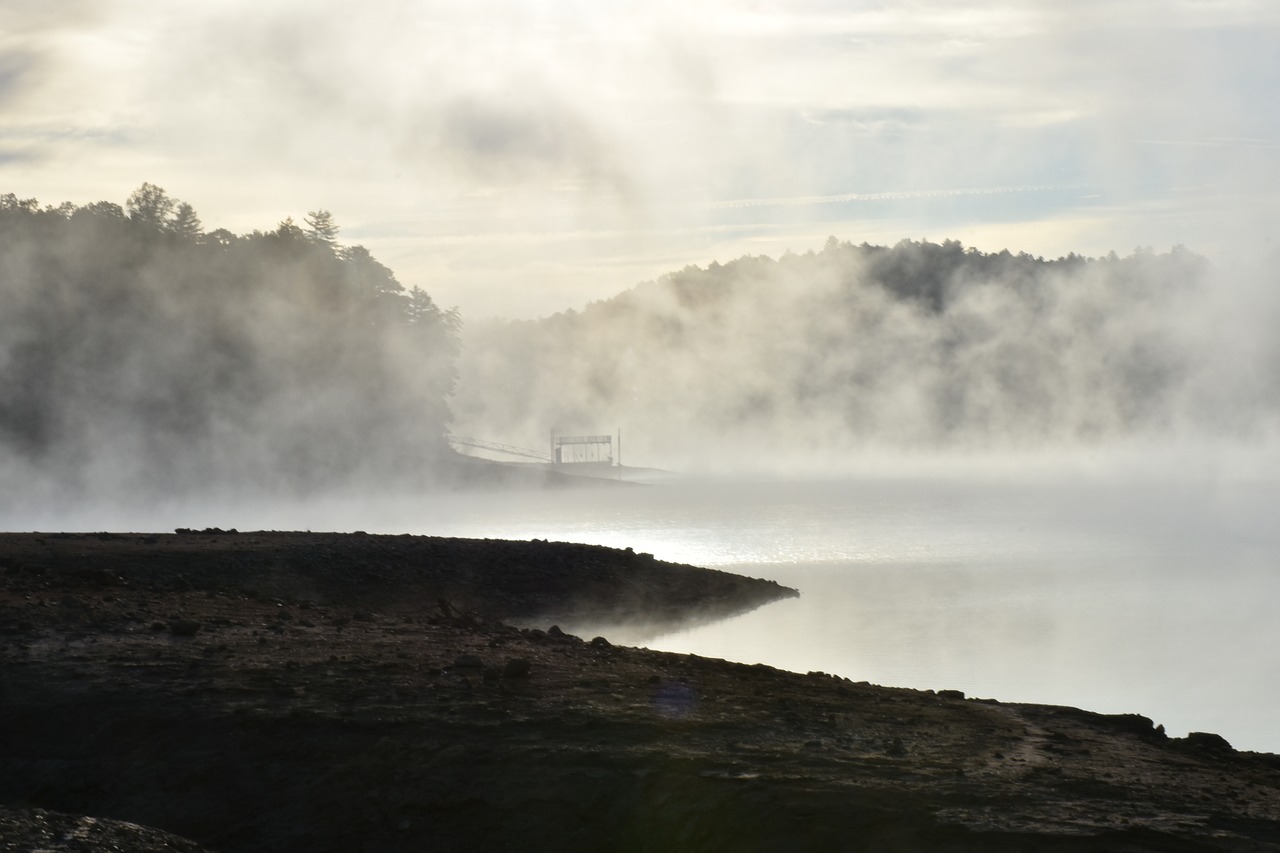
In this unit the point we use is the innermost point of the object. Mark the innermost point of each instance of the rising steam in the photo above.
(918, 347)
(143, 358)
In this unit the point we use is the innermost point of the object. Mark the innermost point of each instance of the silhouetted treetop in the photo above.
(185, 222)
(136, 345)
(321, 228)
(150, 205)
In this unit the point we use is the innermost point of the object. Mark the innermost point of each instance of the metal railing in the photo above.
(498, 448)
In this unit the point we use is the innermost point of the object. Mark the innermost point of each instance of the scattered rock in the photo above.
(1207, 742)
(397, 751)
(517, 668)
(39, 829)
(674, 700)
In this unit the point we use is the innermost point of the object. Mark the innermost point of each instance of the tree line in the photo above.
(140, 350)
(918, 345)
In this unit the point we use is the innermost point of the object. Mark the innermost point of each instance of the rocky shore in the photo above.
(224, 691)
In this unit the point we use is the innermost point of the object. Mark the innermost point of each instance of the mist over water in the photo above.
(1144, 590)
(1125, 595)
(1121, 597)
(1047, 479)
(1041, 480)
(918, 354)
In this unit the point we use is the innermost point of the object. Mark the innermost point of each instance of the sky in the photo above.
(519, 157)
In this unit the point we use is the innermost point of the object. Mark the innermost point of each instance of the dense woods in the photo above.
(143, 354)
(919, 345)
(139, 352)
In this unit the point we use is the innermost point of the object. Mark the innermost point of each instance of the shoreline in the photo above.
(259, 691)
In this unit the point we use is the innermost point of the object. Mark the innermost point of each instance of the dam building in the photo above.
(587, 450)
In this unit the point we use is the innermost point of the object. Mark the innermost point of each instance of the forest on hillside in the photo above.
(141, 354)
(918, 346)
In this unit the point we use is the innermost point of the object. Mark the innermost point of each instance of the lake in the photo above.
(1156, 598)
(1153, 596)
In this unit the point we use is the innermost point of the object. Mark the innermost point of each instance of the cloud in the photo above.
(14, 68)
(900, 195)
(654, 118)
(517, 138)
(27, 31)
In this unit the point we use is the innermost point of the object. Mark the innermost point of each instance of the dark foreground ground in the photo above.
(281, 691)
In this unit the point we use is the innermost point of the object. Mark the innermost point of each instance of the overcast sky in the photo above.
(518, 158)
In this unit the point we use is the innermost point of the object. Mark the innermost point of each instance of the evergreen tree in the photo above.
(186, 223)
(321, 229)
(260, 359)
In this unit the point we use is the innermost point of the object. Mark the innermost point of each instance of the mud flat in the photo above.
(214, 690)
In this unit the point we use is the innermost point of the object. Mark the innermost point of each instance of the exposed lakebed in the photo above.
(269, 691)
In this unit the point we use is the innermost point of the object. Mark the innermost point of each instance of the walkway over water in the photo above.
(576, 450)
(495, 447)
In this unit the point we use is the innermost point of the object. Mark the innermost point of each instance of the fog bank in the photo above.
(852, 354)
(143, 358)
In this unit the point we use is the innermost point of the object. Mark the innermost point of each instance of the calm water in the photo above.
(1156, 598)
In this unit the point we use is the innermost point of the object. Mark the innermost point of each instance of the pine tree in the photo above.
(185, 222)
(321, 229)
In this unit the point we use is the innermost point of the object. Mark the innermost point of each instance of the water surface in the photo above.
(1154, 596)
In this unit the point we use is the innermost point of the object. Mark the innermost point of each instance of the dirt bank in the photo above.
(279, 691)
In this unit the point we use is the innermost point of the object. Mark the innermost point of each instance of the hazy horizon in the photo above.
(521, 158)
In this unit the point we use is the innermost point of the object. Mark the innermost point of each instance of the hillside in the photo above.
(145, 357)
(915, 347)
